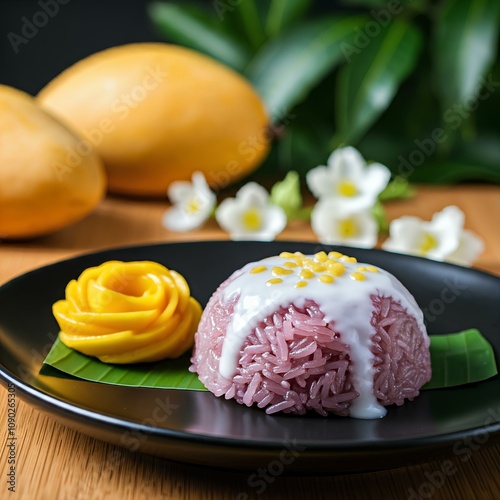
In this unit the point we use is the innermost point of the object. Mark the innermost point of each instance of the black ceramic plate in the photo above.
(198, 428)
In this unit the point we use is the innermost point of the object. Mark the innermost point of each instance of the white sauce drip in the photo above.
(346, 302)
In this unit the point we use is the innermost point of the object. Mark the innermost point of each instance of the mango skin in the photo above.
(45, 184)
(157, 112)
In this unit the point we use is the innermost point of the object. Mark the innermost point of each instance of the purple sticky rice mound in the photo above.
(294, 361)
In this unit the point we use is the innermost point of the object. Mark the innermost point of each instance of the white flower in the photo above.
(338, 223)
(192, 204)
(443, 238)
(349, 178)
(251, 216)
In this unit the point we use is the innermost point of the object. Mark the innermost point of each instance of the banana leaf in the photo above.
(459, 358)
(166, 374)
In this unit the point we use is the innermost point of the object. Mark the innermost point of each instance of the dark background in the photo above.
(78, 29)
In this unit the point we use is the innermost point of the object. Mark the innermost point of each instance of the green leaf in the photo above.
(381, 6)
(288, 67)
(167, 374)
(252, 15)
(384, 145)
(484, 151)
(453, 172)
(305, 145)
(286, 194)
(397, 189)
(366, 3)
(308, 129)
(378, 212)
(486, 115)
(367, 85)
(392, 139)
(460, 358)
(195, 28)
(283, 13)
(464, 45)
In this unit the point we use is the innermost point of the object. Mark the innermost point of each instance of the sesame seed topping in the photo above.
(307, 274)
(346, 258)
(258, 269)
(326, 278)
(357, 276)
(335, 255)
(336, 268)
(279, 271)
(274, 281)
(320, 257)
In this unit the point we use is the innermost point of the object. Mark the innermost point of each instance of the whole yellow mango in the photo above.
(158, 112)
(47, 181)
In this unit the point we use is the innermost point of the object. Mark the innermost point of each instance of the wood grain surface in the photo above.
(55, 462)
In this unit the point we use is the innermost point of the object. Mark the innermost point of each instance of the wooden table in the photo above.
(55, 462)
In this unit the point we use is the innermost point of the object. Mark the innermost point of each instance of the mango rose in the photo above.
(128, 312)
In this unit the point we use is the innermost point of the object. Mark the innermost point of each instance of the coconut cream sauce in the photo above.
(275, 282)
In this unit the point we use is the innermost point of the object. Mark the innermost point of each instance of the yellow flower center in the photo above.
(252, 219)
(193, 205)
(348, 228)
(347, 188)
(429, 242)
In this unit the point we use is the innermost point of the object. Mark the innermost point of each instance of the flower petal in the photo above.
(469, 249)
(319, 181)
(253, 194)
(347, 177)
(178, 191)
(346, 163)
(446, 226)
(374, 179)
(443, 238)
(275, 221)
(178, 219)
(334, 222)
(368, 231)
(449, 216)
(192, 204)
(227, 214)
(200, 185)
(251, 216)
(405, 235)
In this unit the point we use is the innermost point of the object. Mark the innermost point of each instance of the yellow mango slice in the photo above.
(128, 312)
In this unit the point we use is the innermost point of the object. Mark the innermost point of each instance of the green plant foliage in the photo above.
(286, 194)
(193, 27)
(451, 173)
(464, 47)
(167, 374)
(460, 358)
(457, 359)
(284, 13)
(397, 189)
(380, 216)
(369, 82)
(288, 67)
(412, 82)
